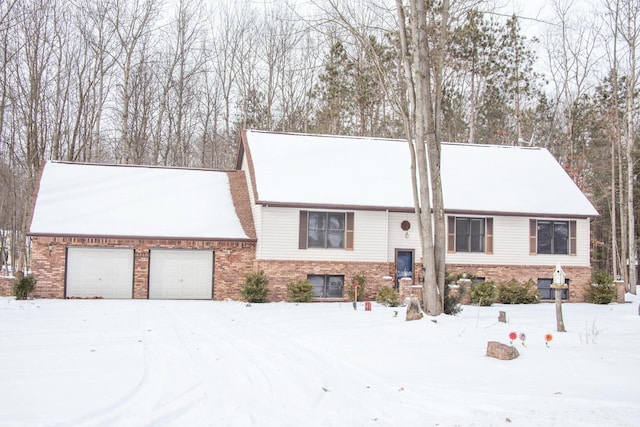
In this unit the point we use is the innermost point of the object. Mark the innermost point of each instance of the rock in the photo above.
(414, 312)
(501, 351)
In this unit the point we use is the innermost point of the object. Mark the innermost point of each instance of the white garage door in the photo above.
(99, 272)
(180, 274)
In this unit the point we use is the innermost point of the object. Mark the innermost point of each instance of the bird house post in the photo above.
(559, 283)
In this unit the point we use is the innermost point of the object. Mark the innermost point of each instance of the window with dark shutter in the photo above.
(350, 236)
(533, 237)
(552, 237)
(326, 230)
(451, 234)
(489, 236)
(469, 234)
(572, 238)
(302, 238)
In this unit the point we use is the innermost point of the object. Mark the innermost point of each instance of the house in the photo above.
(315, 207)
(326, 208)
(110, 231)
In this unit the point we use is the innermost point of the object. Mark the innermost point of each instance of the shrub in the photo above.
(300, 291)
(388, 296)
(514, 292)
(23, 287)
(603, 290)
(452, 298)
(255, 287)
(484, 293)
(359, 279)
(602, 278)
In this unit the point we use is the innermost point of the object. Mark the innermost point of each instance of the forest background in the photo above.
(172, 83)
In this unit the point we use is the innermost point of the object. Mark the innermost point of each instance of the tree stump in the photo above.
(414, 312)
(501, 351)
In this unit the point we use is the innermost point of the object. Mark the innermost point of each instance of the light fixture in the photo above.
(405, 226)
(50, 248)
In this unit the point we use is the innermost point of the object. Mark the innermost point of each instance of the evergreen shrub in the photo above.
(603, 290)
(388, 296)
(255, 287)
(484, 293)
(514, 292)
(23, 287)
(300, 291)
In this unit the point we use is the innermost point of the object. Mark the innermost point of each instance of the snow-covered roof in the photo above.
(372, 172)
(136, 201)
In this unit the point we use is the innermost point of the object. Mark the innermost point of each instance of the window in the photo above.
(547, 292)
(326, 286)
(326, 230)
(466, 234)
(469, 234)
(552, 237)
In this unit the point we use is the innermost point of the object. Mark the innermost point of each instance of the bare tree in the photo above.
(131, 21)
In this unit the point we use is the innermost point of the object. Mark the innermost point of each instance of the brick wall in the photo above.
(579, 277)
(6, 286)
(232, 261)
(282, 272)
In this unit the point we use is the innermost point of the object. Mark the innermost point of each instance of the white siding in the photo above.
(377, 234)
(399, 239)
(279, 238)
(511, 246)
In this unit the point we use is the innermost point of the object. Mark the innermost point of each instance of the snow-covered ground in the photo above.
(199, 363)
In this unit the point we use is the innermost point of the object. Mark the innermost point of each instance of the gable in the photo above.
(135, 201)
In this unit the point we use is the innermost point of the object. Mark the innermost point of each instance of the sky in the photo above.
(223, 363)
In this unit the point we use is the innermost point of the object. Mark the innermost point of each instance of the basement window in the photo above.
(327, 286)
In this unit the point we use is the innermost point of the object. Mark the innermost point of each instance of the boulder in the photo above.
(501, 351)
(414, 312)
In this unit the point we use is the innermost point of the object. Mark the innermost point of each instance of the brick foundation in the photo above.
(232, 261)
(579, 277)
(282, 272)
(235, 259)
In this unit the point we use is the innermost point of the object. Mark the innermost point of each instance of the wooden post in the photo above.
(559, 320)
(558, 285)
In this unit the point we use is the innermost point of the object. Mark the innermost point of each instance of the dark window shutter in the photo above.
(572, 238)
(349, 231)
(302, 238)
(451, 234)
(488, 248)
(533, 237)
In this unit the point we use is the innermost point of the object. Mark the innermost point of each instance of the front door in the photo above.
(404, 265)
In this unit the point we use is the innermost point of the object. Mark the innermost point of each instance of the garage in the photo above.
(180, 274)
(96, 272)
